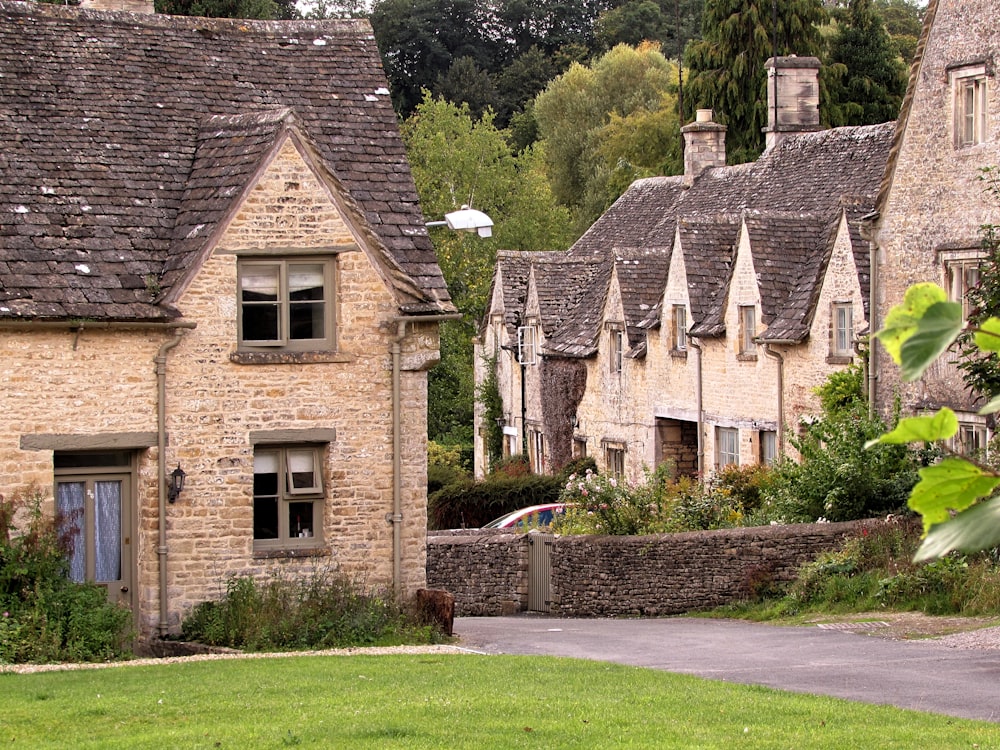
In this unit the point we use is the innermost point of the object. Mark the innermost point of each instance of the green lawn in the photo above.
(442, 701)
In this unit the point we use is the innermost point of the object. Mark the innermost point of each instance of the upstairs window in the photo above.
(842, 333)
(287, 304)
(527, 345)
(680, 328)
(969, 84)
(962, 274)
(748, 330)
(616, 350)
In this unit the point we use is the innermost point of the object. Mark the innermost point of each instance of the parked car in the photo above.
(531, 517)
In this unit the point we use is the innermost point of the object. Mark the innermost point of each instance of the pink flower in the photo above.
(585, 493)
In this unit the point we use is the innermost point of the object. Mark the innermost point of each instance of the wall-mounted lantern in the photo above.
(175, 483)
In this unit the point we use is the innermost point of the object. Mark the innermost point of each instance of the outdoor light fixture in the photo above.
(466, 220)
(176, 482)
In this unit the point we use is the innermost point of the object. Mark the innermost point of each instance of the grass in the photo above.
(443, 701)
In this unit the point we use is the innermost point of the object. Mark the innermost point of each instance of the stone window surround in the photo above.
(284, 352)
(614, 457)
(727, 447)
(962, 259)
(841, 354)
(969, 79)
(747, 351)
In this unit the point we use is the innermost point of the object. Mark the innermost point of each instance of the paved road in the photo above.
(919, 675)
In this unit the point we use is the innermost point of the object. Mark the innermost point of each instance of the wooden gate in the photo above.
(540, 572)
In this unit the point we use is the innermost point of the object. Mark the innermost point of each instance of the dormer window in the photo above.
(616, 347)
(287, 304)
(527, 344)
(748, 331)
(680, 328)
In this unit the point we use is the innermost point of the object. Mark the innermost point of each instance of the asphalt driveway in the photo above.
(921, 675)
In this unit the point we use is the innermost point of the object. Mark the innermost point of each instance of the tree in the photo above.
(457, 159)
(872, 88)
(257, 9)
(726, 68)
(605, 125)
(904, 20)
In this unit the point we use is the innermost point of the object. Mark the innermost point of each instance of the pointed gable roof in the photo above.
(126, 137)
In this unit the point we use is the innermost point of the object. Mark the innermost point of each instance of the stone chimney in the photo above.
(131, 6)
(704, 145)
(792, 97)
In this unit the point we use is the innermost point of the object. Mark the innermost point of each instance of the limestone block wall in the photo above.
(936, 201)
(92, 382)
(594, 576)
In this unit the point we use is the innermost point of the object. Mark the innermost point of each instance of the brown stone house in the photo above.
(932, 202)
(719, 299)
(212, 258)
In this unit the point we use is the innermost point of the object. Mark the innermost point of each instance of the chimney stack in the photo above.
(792, 97)
(704, 145)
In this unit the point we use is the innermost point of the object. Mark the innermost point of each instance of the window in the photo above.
(680, 328)
(287, 496)
(579, 448)
(287, 304)
(842, 321)
(617, 349)
(961, 276)
(748, 329)
(536, 450)
(768, 447)
(969, 85)
(972, 439)
(614, 456)
(727, 447)
(527, 345)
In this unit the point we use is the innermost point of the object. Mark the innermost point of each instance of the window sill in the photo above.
(679, 353)
(290, 552)
(839, 359)
(287, 358)
(746, 357)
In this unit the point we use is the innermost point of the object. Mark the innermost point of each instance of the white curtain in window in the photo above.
(265, 463)
(107, 531)
(260, 280)
(301, 277)
(70, 507)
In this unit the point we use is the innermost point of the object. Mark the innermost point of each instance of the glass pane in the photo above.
(265, 462)
(305, 282)
(107, 531)
(69, 514)
(306, 320)
(265, 484)
(302, 470)
(300, 520)
(259, 283)
(261, 322)
(265, 518)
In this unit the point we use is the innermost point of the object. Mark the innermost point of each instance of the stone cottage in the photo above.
(692, 321)
(213, 267)
(933, 202)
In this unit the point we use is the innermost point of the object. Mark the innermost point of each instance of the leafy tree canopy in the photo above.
(605, 125)
(726, 67)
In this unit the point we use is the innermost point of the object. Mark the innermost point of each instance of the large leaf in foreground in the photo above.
(901, 321)
(951, 485)
(927, 429)
(936, 330)
(976, 529)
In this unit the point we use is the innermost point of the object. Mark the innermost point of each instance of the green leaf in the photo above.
(992, 407)
(901, 321)
(939, 426)
(951, 485)
(975, 529)
(988, 336)
(936, 330)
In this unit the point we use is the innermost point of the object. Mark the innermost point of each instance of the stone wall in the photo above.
(595, 576)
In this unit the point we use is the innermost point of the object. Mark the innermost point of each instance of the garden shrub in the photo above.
(322, 610)
(44, 616)
(471, 504)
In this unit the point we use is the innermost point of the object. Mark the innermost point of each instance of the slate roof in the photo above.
(128, 138)
(792, 198)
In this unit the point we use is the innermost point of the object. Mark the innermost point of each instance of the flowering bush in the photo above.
(600, 504)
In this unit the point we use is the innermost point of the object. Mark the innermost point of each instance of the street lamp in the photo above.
(466, 220)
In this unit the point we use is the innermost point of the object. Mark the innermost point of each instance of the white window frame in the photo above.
(527, 344)
(616, 348)
(768, 440)
(727, 447)
(970, 91)
(283, 304)
(748, 329)
(842, 324)
(961, 273)
(284, 458)
(680, 328)
(614, 460)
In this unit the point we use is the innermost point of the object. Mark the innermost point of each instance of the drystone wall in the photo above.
(602, 576)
